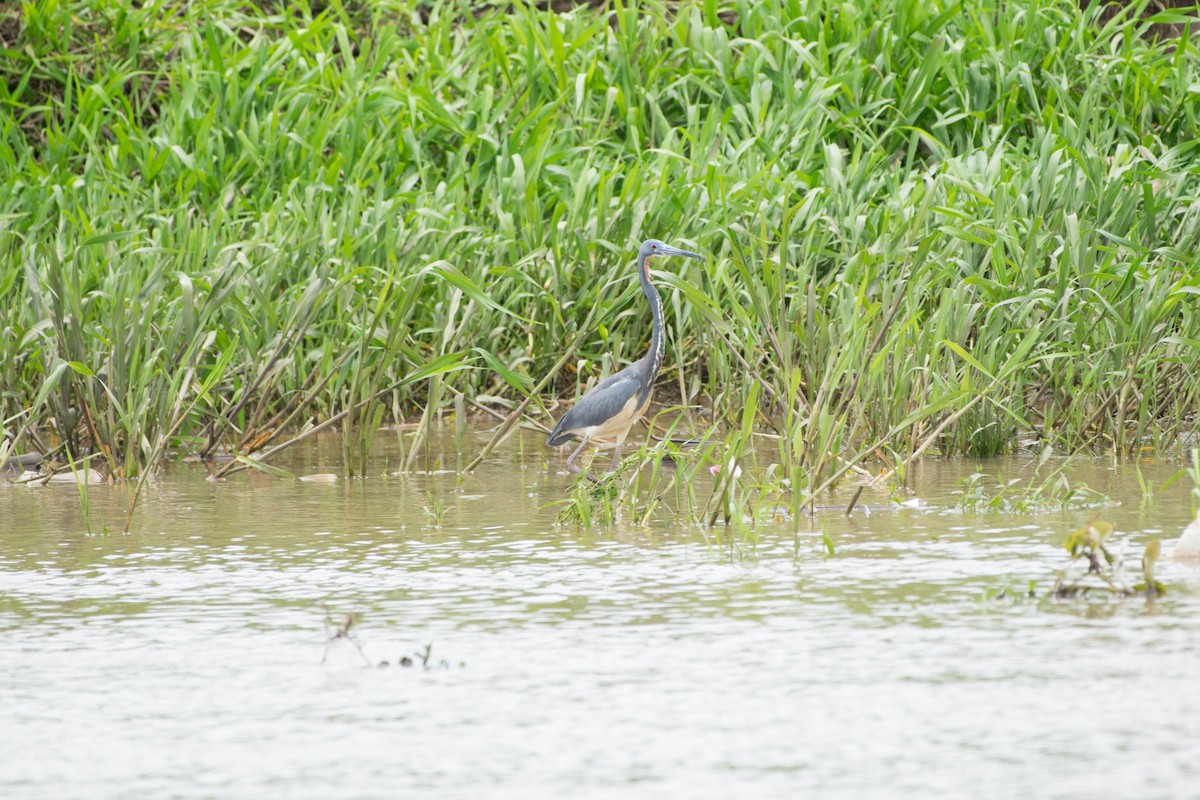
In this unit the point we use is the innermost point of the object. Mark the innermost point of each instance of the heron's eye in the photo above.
(653, 247)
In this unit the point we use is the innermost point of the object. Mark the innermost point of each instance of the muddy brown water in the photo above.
(185, 660)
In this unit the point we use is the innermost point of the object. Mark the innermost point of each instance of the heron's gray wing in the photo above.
(600, 404)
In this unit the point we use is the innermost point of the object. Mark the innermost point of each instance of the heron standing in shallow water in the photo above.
(611, 408)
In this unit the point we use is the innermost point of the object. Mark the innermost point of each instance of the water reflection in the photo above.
(184, 660)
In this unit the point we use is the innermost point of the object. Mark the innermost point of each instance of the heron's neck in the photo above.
(657, 345)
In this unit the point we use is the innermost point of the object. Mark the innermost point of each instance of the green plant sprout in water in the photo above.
(601, 500)
(1102, 568)
(661, 475)
(1052, 493)
(435, 510)
(81, 472)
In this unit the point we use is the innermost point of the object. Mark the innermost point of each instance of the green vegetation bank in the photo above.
(932, 226)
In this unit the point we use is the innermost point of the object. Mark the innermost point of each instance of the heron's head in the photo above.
(654, 248)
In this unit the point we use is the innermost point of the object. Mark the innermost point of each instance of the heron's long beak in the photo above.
(667, 250)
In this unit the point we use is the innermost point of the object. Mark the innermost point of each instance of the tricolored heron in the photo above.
(611, 408)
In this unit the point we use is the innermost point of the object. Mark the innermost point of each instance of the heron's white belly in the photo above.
(619, 424)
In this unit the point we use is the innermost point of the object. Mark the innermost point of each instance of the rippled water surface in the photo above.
(185, 660)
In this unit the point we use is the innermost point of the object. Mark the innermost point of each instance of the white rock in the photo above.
(1188, 545)
(92, 477)
(320, 477)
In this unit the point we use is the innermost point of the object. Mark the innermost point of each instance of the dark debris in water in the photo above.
(423, 659)
(341, 628)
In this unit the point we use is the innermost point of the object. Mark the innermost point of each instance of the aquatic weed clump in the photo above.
(1018, 496)
(1095, 568)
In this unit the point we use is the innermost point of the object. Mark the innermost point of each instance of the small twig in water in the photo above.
(854, 502)
(342, 631)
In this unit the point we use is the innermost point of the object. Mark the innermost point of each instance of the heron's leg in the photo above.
(571, 459)
(616, 456)
(616, 450)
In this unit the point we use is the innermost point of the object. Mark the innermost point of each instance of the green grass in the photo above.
(932, 227)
